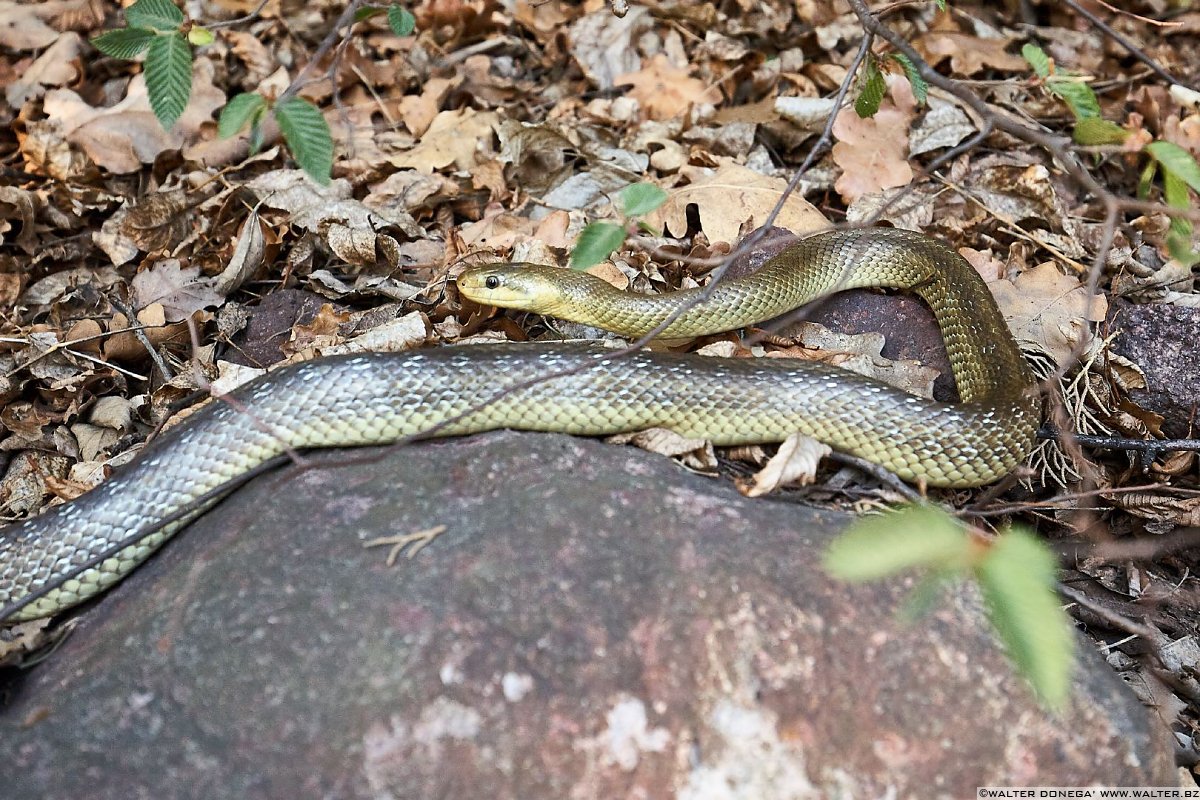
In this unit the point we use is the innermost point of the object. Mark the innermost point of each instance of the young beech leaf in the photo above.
(307, 134)
(641, 198)
(1174, 158)
(124, 43)
(1037, 59)
(596, 243)
(1017, 578)
(169, 76)
(916, 536)
(155, 15)
(401, 20)
(238, 112)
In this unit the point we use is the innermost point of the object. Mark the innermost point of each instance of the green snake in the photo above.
(379, 398)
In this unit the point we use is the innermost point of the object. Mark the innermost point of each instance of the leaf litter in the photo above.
(500, 131)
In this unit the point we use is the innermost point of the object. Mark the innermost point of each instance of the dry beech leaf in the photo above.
(94, 440)
(454, 137)
(246, 259)
(695, 454)
(795, 462)
(323, 330)
(665, 91)
(1048, 310)
(872, 152)
(858, 352)
(350, 228)
(58, 66)
(419, 111)
(156, 222)
(731, 196)
(230, 376)
(123, 137)
(180, 291)
(968, 54)
(401, 334)
(602, 43)
(19, 206)
(23, 28)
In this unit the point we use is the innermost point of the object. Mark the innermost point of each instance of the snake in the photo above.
(73, 551)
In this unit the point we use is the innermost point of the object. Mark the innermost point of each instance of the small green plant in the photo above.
(166, 36)
(598, 240)
(1015, 572)
(1179, 169)
(873, 86)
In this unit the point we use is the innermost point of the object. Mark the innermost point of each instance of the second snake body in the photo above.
(376, 399)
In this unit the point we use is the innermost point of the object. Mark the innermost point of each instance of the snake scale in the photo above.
(379, 398)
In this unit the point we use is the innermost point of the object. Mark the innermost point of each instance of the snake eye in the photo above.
(492, 282)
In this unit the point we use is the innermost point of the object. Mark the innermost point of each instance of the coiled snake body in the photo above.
(376, 399)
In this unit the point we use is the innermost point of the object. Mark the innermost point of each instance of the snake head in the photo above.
(528, 287)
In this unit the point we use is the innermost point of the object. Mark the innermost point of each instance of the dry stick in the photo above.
(253, 15)
(345, 20)
(140, 332)
(1129, 46)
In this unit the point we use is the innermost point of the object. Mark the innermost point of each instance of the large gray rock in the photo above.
(594, 623)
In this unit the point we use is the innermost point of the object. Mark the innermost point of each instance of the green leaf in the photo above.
(307, 134)
(200, 36)
(1078, 95)
(1017, 578)
(1146, 180)
(873, 89)
(401, 21)
(238, 112)
(916, 536)
(1096, 130)
(1037, 59)
(641, 198)
(124, 43)
(1179, 235)
(366, 12)
(919, 87)
(155, 15)
(1177, 160)
(169, 77)
(941, 4)
(596, 243)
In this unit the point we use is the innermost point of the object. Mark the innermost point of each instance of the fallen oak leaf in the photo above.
(1048, 310)
(795, 462)
(180, 291)
(872, 151)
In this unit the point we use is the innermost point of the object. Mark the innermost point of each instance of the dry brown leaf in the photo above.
(180, 291)
(459, 137)
(602, 43)
(23, 28)
(255, 55)
(19, 206)
(419, 111)
(795, 462)
(247, 256)
(665, 91)
(1048, 310)
(858, 352)
(968, 54)
(58, 66)
(730, 197)
(695, 454)
(872, 152)
(405, 333)
(124, 136)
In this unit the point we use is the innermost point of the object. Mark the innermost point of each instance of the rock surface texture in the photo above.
(594, 623)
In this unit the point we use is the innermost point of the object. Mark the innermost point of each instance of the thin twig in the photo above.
(1129, 46)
